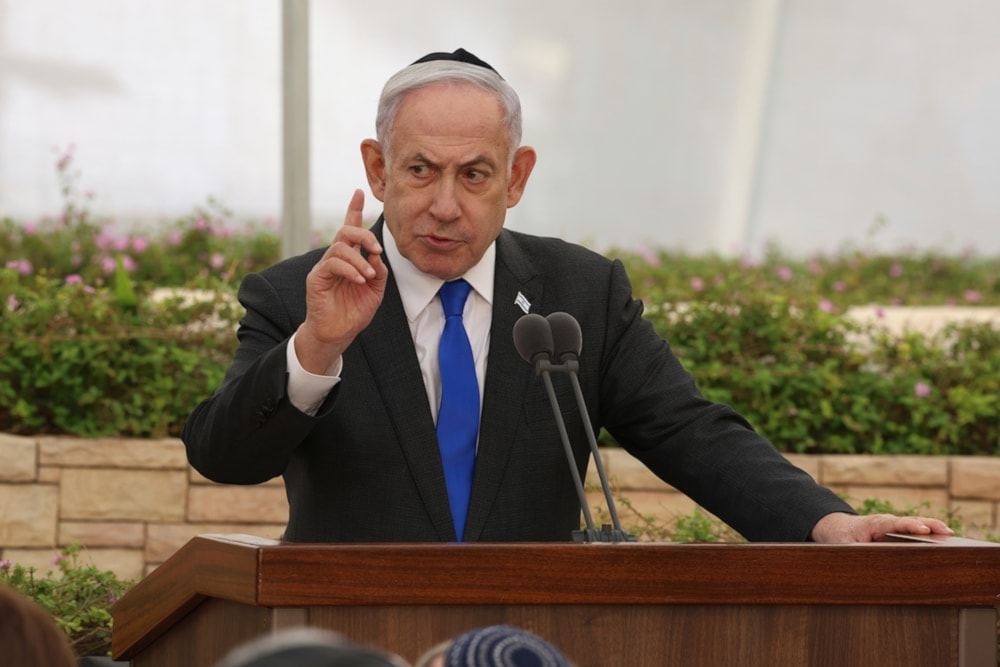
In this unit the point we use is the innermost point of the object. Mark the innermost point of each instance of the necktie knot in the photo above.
(453, 295)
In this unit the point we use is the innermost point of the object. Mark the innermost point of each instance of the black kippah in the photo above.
(458, 55)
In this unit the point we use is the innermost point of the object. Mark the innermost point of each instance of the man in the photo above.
(336, 382)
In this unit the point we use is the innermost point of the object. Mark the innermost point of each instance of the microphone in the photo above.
(533, 340)
(567, 338)
(538, 340)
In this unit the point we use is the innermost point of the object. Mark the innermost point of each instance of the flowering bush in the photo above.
(85, 349)
(818, 382)
(831, 282)
(79, 597)
(201, 249)
(107, 360)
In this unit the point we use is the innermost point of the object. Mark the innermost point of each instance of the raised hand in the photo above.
(343, 291)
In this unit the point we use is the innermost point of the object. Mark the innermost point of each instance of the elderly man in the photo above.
(379, 375)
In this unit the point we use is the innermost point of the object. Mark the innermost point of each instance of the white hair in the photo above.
(433, 72)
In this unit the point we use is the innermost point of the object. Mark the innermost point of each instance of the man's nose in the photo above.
(444, 204)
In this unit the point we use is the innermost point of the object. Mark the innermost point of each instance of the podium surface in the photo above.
(631, 604)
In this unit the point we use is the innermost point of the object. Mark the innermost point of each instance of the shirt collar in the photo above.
(417, 289)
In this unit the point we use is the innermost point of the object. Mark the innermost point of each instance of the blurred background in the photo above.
(699, 125)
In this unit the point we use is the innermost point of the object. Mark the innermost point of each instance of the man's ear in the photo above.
(374, 161)
(524, 162)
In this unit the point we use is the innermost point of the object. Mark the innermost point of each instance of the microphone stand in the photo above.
(607, 533)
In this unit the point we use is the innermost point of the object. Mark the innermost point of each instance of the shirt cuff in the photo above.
(307, 391)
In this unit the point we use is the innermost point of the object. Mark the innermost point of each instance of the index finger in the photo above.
(355, 209)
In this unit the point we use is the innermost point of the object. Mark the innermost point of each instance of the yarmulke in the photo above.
(458, 55)
(502, 646)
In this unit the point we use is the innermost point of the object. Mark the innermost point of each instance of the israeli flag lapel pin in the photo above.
(522, 303)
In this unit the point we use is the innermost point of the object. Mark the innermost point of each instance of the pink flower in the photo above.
(217, 260)
(648, 254)
(22, 266)
(74, 279)
(107, 265)
(972, 296)
(827, 306)
(29, 228)
(815, 267)
(697, 284)
(879, 313)
(66, 158)
(129, 263)
(12, 302)
(139, 245)
(784, 273)
(840, 286)
(174, 238)
(4, 564)
(793, 411)
(921, 390)
(58, 558)
(896, 270)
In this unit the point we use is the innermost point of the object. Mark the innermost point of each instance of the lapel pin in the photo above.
(522, 303)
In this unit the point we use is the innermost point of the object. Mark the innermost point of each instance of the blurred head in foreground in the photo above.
(307, 647)
(495, 646)
(29, 636)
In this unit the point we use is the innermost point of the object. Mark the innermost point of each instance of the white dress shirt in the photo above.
(425, 316)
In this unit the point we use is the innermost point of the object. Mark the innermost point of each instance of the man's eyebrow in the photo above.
(476, 161)
(480, 160)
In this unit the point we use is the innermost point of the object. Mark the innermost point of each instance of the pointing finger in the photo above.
(355, 209)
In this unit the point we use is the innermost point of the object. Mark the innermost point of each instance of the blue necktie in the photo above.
(458, 416)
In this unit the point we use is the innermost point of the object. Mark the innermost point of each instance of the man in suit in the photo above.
(336, 383)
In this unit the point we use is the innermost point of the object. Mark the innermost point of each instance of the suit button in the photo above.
(269, 405)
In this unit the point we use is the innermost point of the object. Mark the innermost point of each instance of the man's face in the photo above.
(446, 189)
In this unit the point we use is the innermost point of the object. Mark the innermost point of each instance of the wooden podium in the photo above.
(606, 605)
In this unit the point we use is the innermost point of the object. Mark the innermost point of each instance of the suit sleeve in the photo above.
(246, 432)
(652, 406)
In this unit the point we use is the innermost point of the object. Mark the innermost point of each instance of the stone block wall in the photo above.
(133, 503)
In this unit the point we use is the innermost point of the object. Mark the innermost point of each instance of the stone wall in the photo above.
(132, 503)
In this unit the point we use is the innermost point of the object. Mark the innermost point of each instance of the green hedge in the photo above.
(83, 361)
(85, 350)
(817, 382)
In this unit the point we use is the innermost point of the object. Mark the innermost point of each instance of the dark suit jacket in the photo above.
(366, 468)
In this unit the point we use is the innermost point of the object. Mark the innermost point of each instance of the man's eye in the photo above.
(475, 175)
(419, 170)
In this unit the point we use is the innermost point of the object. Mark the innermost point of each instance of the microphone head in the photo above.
(566, 335)
(533, 337)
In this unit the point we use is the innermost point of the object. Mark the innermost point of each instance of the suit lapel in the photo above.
(507, 375)
(388, 349)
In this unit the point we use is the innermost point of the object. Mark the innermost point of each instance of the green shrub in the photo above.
(85, 350)
(78, 595)
(814, 381)
(91, 362)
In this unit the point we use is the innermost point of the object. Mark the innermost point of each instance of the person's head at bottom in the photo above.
(306, 647)
(29, 636)
(495, 646)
